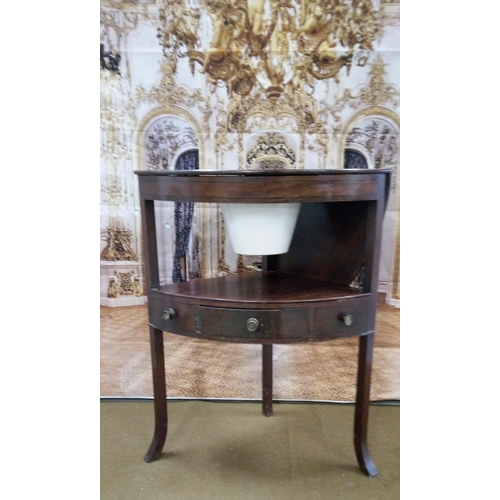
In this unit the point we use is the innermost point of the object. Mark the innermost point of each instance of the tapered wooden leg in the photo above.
(160, 395)
(267, 379)
(362, 404)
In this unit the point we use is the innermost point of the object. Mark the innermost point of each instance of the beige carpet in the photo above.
(230, 451)
(194, 368)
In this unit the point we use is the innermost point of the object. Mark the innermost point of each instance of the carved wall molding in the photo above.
(166, 139)
(376, 92)
(114, 190)
(170, 93)
(124, 284)
(378, 139)
(271, 150)
(290, 111)
(120, 18)
(316, 122)
(124, 17)
(118, 240)
(117, 125)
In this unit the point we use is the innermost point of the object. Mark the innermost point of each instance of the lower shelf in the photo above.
(261, 308)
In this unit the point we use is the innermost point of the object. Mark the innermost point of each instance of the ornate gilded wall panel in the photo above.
(258, 84)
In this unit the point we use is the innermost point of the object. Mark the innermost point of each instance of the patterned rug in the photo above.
(204, 369)
(324, 371)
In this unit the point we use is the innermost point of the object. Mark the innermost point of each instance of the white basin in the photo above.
(260, 228)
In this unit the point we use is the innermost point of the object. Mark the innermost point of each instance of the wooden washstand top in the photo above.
(263, 186)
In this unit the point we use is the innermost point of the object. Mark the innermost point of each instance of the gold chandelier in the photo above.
(279, 45)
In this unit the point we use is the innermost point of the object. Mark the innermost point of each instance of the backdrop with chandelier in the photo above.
(238, 84)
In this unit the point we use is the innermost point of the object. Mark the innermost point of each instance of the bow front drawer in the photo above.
(344, 319)
(227, 323)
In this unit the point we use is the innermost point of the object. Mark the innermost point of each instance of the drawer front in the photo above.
(347, 318)
(344, 319)
(226, 323)
(181, 321)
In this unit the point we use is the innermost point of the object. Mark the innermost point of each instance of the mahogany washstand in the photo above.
(304, 295)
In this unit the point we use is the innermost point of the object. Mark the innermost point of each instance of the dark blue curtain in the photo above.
(354, 159)
(183, 216)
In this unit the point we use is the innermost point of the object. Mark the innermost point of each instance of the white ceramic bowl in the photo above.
(260, 228)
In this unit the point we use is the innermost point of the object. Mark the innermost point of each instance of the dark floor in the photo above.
(230, 451)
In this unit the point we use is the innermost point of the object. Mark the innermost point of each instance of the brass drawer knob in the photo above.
(347, 319)
(252, 324)
(169, 314)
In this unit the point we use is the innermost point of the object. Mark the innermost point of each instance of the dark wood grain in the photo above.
(301, 296)
(233, 187)
(267, 379)
(268, 290)
(329, 242)
(362, 406)
(160, 396)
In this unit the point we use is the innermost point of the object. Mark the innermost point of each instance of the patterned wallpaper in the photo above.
(156, 106)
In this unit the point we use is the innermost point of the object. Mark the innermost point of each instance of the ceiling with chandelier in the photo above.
(275, 47)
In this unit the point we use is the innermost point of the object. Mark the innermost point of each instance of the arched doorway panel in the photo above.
(374, 133)
(183, 118)
(169, 141)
